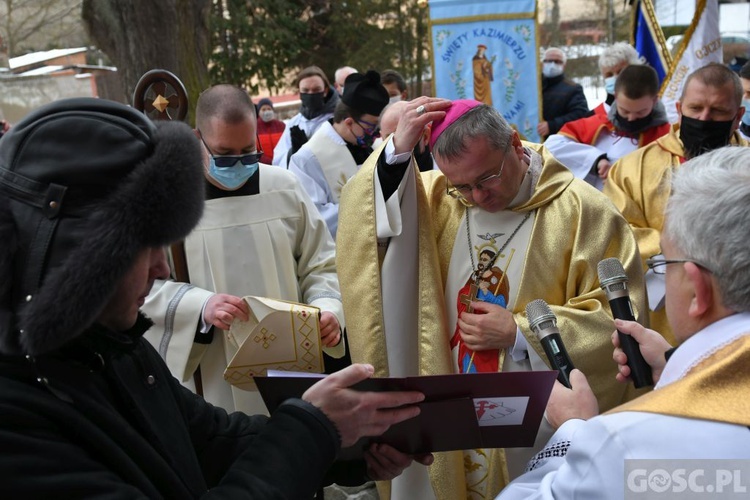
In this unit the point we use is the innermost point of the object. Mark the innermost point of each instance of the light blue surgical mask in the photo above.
(746, 116)
(231, 177)
(609, 84)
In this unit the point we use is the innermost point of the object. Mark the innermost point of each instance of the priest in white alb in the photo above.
(260, 235)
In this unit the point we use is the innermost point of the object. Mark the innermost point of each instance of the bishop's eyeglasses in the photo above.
(465, 192)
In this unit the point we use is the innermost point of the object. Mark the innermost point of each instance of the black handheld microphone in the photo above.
(614, 282)
(543, 323)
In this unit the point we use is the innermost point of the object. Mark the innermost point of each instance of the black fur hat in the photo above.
(85, 185)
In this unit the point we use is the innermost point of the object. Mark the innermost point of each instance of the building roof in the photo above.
(38, 57)
(44, 70)
(57, 68)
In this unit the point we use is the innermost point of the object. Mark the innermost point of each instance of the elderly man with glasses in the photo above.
(692, 429)
(501, 218)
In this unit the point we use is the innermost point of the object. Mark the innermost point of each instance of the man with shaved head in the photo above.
(710, 111)
(260, 235)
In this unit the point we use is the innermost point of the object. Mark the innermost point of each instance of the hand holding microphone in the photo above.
(614, 282)
(543, 323)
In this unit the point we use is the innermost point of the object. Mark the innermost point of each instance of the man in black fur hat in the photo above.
(90, 192)
(337, 149)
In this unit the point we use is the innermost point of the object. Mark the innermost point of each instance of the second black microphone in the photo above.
(614, 282)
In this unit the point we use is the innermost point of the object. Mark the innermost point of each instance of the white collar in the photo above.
(529, 179)
(702, 345)
(332, 134)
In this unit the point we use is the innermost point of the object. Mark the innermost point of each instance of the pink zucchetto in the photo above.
(457, 110)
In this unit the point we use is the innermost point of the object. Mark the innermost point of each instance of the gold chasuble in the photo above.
(574, 227)
(717, 389)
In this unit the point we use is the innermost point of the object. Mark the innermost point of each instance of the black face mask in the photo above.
(632, 127)
(312, 104)
(700, 137)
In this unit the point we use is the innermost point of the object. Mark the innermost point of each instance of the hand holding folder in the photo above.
(465, 411)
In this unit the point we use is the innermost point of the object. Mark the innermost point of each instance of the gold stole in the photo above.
(717, 389)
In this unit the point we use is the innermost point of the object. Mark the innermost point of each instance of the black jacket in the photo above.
(103, 417)
(562, 101)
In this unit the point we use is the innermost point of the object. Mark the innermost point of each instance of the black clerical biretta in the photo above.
(365, 93)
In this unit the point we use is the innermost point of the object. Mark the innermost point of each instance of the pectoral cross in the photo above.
(468, 299)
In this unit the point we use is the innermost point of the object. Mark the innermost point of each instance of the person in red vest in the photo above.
(269, 129)
(589, 146)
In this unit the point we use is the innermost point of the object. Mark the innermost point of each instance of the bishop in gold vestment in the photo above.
(396, 304)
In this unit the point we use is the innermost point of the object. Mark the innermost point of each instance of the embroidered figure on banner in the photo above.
(483, 75)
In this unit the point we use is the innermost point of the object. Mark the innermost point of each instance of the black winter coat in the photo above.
(562, 101)
(104, 418)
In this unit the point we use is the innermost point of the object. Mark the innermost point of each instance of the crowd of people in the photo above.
(419, 229)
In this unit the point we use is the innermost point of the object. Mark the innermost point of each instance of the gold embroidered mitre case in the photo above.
(278, 335)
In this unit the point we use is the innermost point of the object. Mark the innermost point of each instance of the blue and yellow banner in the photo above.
(487, 50)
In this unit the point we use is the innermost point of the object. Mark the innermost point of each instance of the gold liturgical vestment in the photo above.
(574, 228)
(639, 186)
(716, 389)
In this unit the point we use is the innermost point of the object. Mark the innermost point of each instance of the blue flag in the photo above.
(649, 39)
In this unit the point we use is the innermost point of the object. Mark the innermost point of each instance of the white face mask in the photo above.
(266, 115)
(395, 98)
(551, 70)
